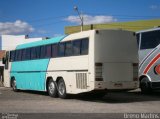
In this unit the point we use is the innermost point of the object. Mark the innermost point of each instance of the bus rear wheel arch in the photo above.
(52, 87)
(145, 85)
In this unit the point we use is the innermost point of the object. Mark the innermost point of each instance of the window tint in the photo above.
(37, 52)
(76, 47)
(28, 52)
(33, 53)
(150, 39)
(48, 51)
(84, 46)
(12, 56)
(54, 50)
(61, 48)
(23, 54)
(42, 52)
(68, 49)
(18, 55)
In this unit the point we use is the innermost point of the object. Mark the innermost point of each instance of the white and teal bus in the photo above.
(94, 60)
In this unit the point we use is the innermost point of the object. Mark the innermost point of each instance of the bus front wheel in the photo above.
(62, 89)
(145, 85)
(14, 86)
(52, 89)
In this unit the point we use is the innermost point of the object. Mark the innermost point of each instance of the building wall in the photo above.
(10, 41)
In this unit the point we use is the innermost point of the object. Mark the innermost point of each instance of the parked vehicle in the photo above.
(95, 60)
(149, 59)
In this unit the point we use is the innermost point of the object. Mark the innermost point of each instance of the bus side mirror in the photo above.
(3, 60)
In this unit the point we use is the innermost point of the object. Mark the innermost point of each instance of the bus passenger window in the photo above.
(42, 52)
(23, 54)
(84, 46)
(76, 47)
(18, 55)
(68, 49)
(12, 56)
(33, 53)
(61, 48)
(54, 50)
(37, 52)
(28, 53)
(48, 51)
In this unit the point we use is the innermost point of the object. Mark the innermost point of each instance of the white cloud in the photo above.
(17, 27)
(88, 19)
(155, 7)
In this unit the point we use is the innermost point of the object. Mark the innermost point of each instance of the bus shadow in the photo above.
(33, 92)
(120, 97)
(111, 97)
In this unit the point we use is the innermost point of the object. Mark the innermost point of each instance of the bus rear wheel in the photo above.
(145, 86)
(52, 88)
(14, 86)
(62, 89)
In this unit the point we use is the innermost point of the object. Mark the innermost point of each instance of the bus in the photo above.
(149, 62)
(89, 61)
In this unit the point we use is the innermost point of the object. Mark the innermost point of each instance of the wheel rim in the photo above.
(51, 87)
(61, 88)
(14, 85)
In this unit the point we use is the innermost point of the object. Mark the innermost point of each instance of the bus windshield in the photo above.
(150, 39)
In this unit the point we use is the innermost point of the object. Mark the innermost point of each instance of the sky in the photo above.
(48, 18)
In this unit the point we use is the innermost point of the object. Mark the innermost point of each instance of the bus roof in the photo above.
(41, 42)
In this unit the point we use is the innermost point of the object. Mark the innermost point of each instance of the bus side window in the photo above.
(76, 47)
(38, 52)
(33, 53)
(61, 50)
(54, 50)
(18, 56)
(27, 54)
(12, 56)
(68, 49)
(84, 46)
(42, 52)
(48, 51)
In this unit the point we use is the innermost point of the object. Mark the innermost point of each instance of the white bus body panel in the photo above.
(115, 49)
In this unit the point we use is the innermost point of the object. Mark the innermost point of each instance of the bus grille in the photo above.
(81, 80)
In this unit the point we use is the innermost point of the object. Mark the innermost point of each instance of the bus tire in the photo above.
(13, 85)
(52, 88)
(62, 89)
(145, 86)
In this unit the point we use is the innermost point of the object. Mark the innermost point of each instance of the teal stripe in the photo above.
(41, 42)
(31, 74)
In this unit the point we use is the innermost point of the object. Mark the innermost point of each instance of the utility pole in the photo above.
(80, 16)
